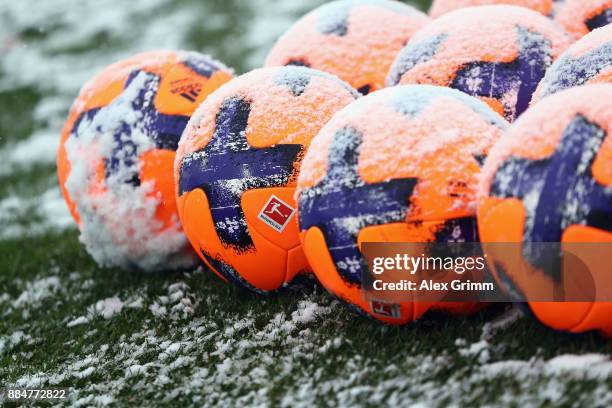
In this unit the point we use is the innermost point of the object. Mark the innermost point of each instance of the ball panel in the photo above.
(157, 166)
(297, 263)
(192, 203)
(566, 316)
(539, 136)
(325, 270)
(285, 105)
(597, 318)
(181, 88)
(493, 216)
(584, 233)
(412, 116)
(266, 276)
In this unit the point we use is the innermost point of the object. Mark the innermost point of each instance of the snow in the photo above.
(587, 61)
(209, 362)
(38, 150)
(30, 216)
(369, 35)
(10, 341)
(501, 323)
(109, 307)
(423, 119)
(539, 130)
(118, 225)
(572, 15)
(37, 291)
(485, 34)
(77, 322)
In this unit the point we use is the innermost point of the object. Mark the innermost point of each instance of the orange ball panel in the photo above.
(157, 166)
(598, 318)
(177, 79)
(267, 276)
(561, 316)
(296, 263)
(192, 203)
(325, 270)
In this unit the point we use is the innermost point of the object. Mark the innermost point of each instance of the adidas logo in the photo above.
(189, 91)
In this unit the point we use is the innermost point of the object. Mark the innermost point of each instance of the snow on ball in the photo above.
(236, 170)
(578, 17)
(439, 7)
(549, 179)
(116, 155)
(355, 40)
(399, 165)
(587, 61)
(497, 53)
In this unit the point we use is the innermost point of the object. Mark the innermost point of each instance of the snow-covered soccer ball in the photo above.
(398, 165)
(116, 156)
(236, 170)
(549, 179)
(496, 53)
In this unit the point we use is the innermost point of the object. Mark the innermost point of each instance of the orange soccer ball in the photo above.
(498, 54)
(354, 40)
(550, 180)
(236, 170)
(399, 165)
(116, 156)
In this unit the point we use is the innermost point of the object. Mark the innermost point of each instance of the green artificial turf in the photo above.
(186, 338)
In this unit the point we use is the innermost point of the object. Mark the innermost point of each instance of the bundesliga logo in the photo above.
(385, 309)
(276, 213)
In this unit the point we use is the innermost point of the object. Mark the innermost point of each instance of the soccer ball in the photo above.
(579, 17)
(116, 156)
(355, 40)
(236, 170)
(587, 61)
(550, 180)
(399, 165)
(439, 7)
(497, 53)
